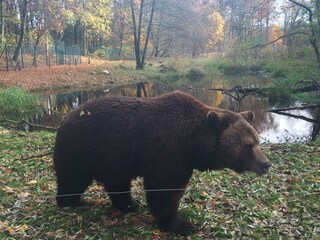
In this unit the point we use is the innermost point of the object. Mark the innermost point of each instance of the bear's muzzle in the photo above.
(265, 167)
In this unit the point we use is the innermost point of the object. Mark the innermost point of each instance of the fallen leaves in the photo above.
(31, 182)
(9, 190)
(13, 230)
(225, 205)
(43, 79)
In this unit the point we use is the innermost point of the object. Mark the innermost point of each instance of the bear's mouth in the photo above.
(264, 168)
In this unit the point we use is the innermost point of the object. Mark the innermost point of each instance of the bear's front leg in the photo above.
(164, 206)
(120, 196)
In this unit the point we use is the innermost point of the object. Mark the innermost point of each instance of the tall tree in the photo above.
(140, 54)
(23, 6)
(119, 25)
(2, 23)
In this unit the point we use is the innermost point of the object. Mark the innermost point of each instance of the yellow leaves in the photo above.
(23, 228)
(275, 32)
(12, 230)
(204, 193)
(3, 225)
(215, 29)
(96, 16)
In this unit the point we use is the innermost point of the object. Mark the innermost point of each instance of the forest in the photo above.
(148, 28)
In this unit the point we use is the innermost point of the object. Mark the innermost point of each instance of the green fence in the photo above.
(43, 55)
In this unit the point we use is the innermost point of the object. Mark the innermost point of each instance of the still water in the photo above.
(273, 128)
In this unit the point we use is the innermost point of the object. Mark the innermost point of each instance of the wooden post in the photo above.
(22, 63)
(7, 60)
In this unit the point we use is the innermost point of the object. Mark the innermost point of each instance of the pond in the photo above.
(273, 128)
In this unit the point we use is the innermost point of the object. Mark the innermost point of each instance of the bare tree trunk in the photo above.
(23, 19)
(137, 33)
(148, 33)
(35, 48)
(2, 22)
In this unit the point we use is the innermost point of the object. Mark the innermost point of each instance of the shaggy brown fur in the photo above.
(115, 139)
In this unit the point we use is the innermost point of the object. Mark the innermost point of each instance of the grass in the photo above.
(283, 204)
(281, 89)
(16, 100)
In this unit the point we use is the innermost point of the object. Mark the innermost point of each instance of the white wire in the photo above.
(123, 192)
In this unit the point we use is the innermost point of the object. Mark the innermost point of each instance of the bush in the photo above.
(194, 73)
(233, 68)
(16, 100)
(277, 69)
(281, 90)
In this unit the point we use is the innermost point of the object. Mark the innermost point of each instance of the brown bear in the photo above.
(114, 139)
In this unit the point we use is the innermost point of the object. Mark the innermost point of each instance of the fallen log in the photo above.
(4, 119)
(311, 106)
(239, 89)
(281, 111)
(237, 92)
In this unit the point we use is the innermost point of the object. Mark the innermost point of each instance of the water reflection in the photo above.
(273, 128)
(289, 129)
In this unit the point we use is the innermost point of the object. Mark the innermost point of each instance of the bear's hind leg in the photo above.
(70, 190)
(120, 196)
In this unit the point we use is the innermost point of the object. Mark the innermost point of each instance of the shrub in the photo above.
(281, 90)
(277, 69)
(233, 68)
(16, 100)
(194, 73)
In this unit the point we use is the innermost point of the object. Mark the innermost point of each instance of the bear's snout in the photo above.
(265, 167)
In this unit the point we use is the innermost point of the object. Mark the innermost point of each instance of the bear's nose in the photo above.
(266, 166)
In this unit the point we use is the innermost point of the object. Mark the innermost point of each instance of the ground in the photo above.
(282, 204)
(63, 77)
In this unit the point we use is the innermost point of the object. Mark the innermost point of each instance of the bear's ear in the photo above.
(249, 116)
(217, 120)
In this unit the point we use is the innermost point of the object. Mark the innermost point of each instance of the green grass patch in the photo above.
(16, 100)
(282, 204)
(313, 97)
(281, 90)
(236, 68)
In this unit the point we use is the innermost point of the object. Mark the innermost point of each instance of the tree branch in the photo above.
(35, 156)
(266, 44)
(303, 6)
(299, 117)
(280, 112)
(312, 106)
(4, 119)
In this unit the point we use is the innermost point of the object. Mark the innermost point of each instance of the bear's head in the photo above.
(236, 144)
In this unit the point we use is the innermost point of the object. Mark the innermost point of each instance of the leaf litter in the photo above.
(283, 204)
